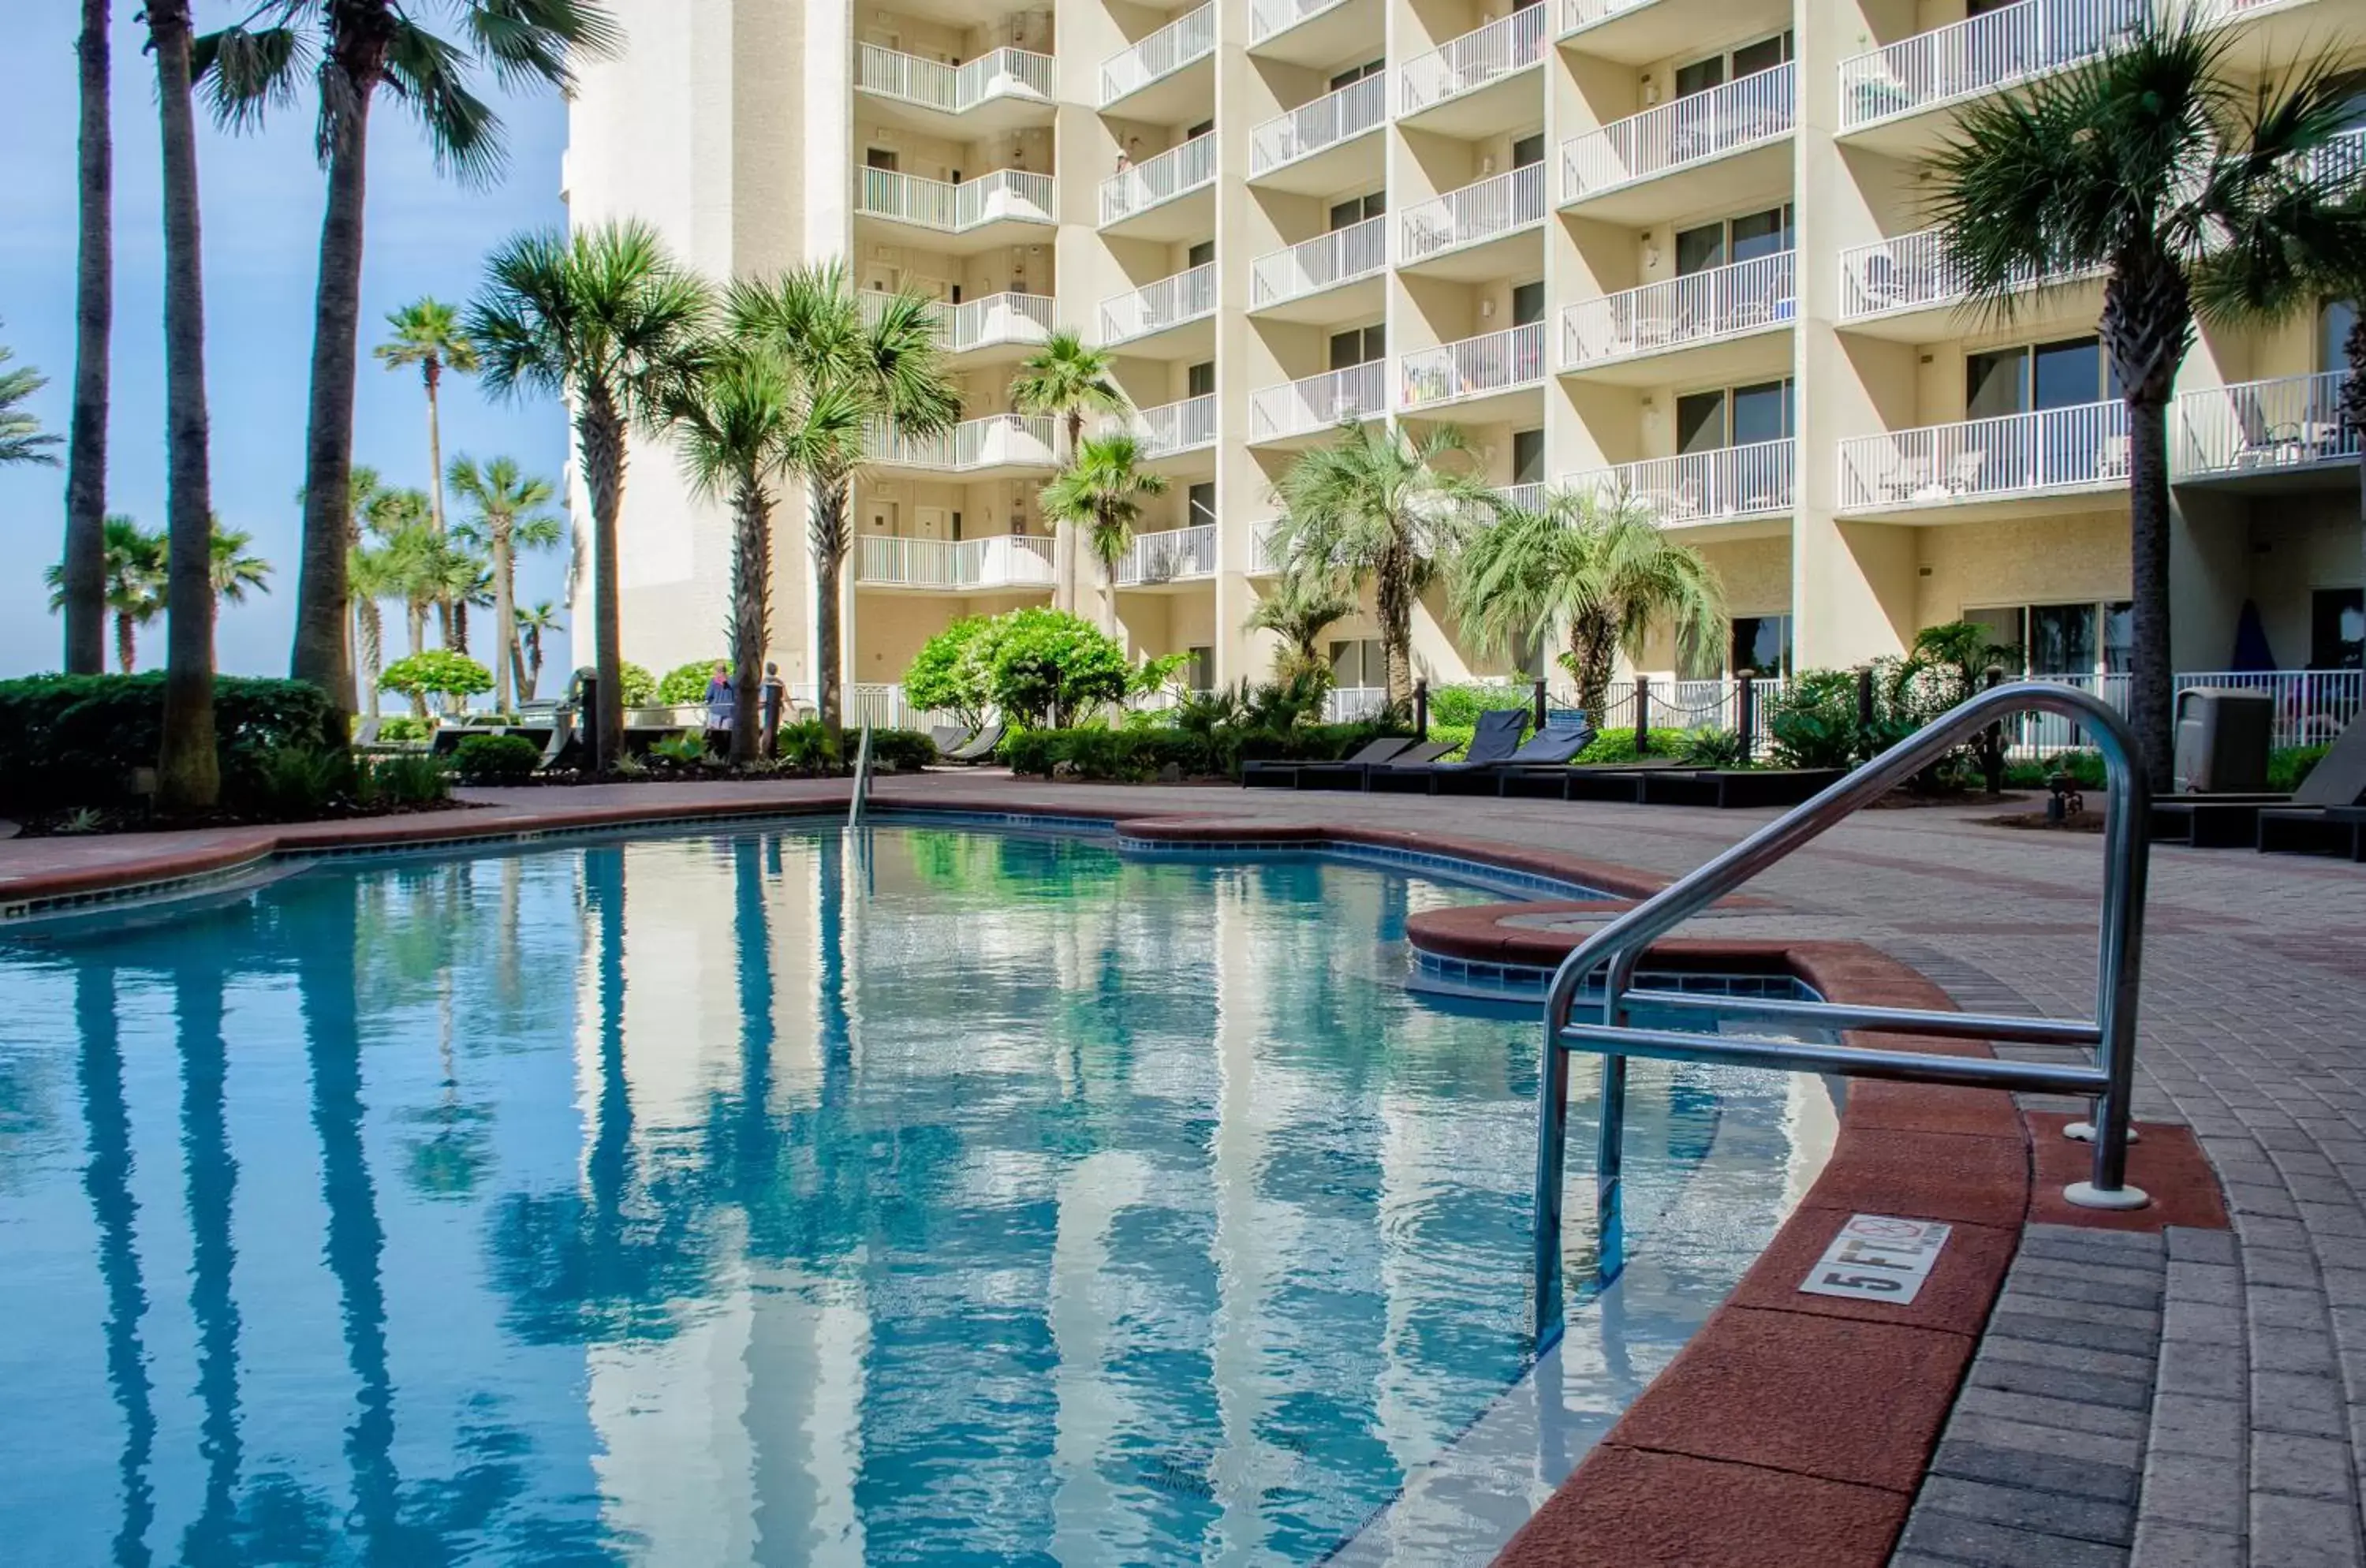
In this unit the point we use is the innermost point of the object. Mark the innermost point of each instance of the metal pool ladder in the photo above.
(1619, 947)
(860, 797)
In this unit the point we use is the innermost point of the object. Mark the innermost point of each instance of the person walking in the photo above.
(775, 697)
(720, 705)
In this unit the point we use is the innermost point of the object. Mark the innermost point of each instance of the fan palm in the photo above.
(1101, 492)
(1598, 570)
(1375, 508)
(599, 317)
(2199, 200)
(373, 575)
(850, 371)
(508, 516)
(85, 569)
(232, 568)
(1300, 610)
(22, 440)
(1065, 379)
(534, 622)
(355, 48)
(426, 333)
(132, 565)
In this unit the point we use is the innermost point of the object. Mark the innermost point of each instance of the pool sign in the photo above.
(1875, 1258)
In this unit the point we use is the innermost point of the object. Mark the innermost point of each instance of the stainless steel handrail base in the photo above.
(1877, 1021)
(1848, 1061)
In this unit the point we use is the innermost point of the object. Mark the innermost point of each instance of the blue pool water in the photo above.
(930, 1197)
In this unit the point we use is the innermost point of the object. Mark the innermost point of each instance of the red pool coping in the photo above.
(1792, 1428)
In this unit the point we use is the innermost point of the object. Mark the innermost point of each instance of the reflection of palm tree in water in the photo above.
(107, 1180)
(212, 1182)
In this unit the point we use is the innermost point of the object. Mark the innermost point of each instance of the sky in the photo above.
(261, 194)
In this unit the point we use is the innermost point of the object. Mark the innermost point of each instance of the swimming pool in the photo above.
(919, 1196)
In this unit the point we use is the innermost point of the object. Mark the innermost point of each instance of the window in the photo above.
(1360, 345)
(1732, 65)
(1528, 150)
(2335, 320)
(1527, 456)
(1762, 645)
(1737, 416)
(1355, 73)
(1527, 303)
(2336, 629)
(1201, 670)
(2044, 376)
(1359, 663)
(1733, 239)
(1356, 208)
(1201, 502)
(1200, 380)
(1199, 130)
(1199, 254)
(2081, 639)
(879, 158)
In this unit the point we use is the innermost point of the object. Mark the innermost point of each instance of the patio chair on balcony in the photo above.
(2112, 462)
(1964, 472)
(1907, 478)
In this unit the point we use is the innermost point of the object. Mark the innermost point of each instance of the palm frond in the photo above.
(528, 41)
(246, 71)
(430, 76)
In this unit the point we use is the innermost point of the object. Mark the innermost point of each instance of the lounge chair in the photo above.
(1341, 775)
(1289, 774)
(554, 741)
(947, 738)
(2339, 829)
(979, 748)
(1491, 744)
(2338, 781)
(1551, 747)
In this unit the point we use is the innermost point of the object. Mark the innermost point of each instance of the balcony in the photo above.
(1297, 284)
(1161, 307)
(1008, 562)
(2341, 162)
(1007, 207)
(1446, 88)
(2051, 453)
(1013, 324)
(1322, 146)
(999, 444)
(1178, 555)
(1000, 90)
(1174, 428)
(1146, 201)
(1638, 32)
(1721, 146)
(1629, 336)
(1160, 58)
(1464, 373)
(1729, 485)
(1892, 94)
(1266, 559)
(1444, 234)
(1318, 404)
(2280, 435)
(1907, 289)
(1313, 32)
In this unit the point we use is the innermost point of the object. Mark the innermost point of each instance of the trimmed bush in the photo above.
(496, 758)
(906, 750)
(1461, 705)
(293, 784)
(402, 727)
(684, 684)
(1136, 755)
(805, 747)
(438, 672)
(70, 740)
(418, 780)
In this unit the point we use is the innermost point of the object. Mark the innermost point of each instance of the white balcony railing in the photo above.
(1266, 556)
(1183, 168)
(996, 320)
(1268, 17)
(1177, 427)
(934, 203)
(1472, 368)
(1323, 261)
(1576, 15)
(2341, 162)
(2080, 447)
(1465, 64)
(1178, 555)
(1911, 272)
(1318, 403)
(1702, 487)
(1190, 37)
(1000, 560)
(1475, 213)
(2260, 426)
(1982, 54)
(2311, 706)
(997, 441)
(1741, 113)
(1679, 312)
(1330, 119)
(997, 74)
(1153, 308)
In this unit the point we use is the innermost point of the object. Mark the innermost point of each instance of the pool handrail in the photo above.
(860, 794)
(1619, 947)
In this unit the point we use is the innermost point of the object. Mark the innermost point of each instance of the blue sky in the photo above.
(261, 194)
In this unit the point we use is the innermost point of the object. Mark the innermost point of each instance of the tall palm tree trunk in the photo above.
(85, 582)
(751, 579)
(504, 618)
(828, 534)
(2150, 685)
(1593, 653)
(2353, 411)
(369, 636)
(600, 433)
(127, 648)
(1392, 593)
(188, 773)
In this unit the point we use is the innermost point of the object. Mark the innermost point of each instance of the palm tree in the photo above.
(233, 571)
(597, 318)
(1101, 491)
(1599, 572)
(1298, 611)
(508, 516)
(464, 579)
(188, 773)
(1065, 379)
(372, 575)
(532, 622)
(2195, 195)
(85, 566)
(1375, 508)
(426, 333)
(132, 574)
(22, 440)
(848, 375)
(355, 47)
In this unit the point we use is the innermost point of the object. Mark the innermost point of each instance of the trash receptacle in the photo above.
(2222, 739)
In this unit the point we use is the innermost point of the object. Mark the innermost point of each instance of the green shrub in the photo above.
(1035, 751)
(950, 675)
(2287, 766)
(496, 758)
(685, 683)
(75, 739)
(294, 783)
(1047, 667)
(404, 780)
(685, 750)
(438, 672)
(906, 750)
(1618, 745)
(402, 727)
(1710, 748)
(1461, 705)
(805, 746)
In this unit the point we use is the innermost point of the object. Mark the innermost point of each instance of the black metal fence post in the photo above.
(1746, 715)
(1421, 710)
(1537, 703)
(1642, 715)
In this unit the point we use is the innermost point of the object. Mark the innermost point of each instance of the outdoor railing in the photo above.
(884, 707)
(1330, 119)
(1911, 272)
(1467, 63)
(1580, 14)
(1153, 308)
(2078, 447)
(1326, 261)
(1268, 17)
(2253, 426)
(1177, 426)
(1678, 312)
(1346, 705)
(999, 560)
(2341, 162)
(1742, 113)
(1680, 706)
(1474, 367)
(1184, 168)
(982, 323)
(2312, 707)
(1266, 556)
(1000, 440)
(934, 203)
(1319, 402)
(1190, 37)
(1982, 54)
(1175, 556)
(999, 73)
(1750, 480)
(1474, 213)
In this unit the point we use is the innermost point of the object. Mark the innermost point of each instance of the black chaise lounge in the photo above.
(979, 748)
(2338, 781)
(1359, 775)
(1492, 742)
(1263, 773)
(1551, 747)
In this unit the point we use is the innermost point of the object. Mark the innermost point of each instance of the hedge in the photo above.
(1141, 754)
(70, 740)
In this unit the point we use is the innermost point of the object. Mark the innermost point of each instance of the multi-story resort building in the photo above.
(1678, 245)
